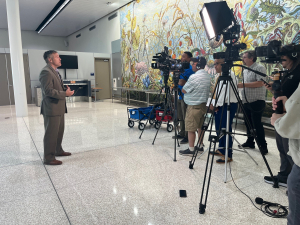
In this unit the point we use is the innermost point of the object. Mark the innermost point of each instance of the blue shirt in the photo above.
(185, 76)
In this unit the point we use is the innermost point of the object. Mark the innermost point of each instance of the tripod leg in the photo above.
(151, 113)
(167, 92)
(244, 150)
(253, 133)
(204, 127)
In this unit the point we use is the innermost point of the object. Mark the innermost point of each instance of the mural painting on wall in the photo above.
(149, 25)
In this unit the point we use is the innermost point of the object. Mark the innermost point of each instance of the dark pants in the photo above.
(54, 132)
(181, 116)
(218, 116)
(285, 160)
(294, 196)
(254, 111)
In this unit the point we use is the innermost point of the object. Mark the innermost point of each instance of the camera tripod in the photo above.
(213, 139)
(170, 109)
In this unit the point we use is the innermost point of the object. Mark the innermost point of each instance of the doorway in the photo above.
(6, 81)
(103, 78)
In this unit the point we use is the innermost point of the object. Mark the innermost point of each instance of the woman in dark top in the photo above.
(289, 83)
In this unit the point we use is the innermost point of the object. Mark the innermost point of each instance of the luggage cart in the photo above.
(140, 114)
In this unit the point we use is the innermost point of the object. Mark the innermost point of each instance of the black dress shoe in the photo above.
(53, 162)
(178, 136)
(184, 141)
(64, 154)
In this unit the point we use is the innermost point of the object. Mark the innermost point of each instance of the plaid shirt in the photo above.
(197, 88)
(254, 94)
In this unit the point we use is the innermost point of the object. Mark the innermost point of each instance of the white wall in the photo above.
(32, 40)
(86, 61)
(97, 40)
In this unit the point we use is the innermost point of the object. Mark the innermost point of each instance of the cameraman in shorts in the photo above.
(196, 92)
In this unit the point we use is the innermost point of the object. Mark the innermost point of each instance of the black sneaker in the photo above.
(184, 141)
(247, 145)
(187, 152)
(178, 136)
(281, 182)
(199, 149)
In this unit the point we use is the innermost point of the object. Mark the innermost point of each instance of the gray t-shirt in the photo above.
(258, 93)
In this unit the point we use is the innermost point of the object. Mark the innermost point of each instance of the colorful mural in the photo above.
(149, 25)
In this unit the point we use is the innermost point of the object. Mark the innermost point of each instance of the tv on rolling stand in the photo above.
(68, 62)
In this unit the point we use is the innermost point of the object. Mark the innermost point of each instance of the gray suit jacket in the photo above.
(54, 93)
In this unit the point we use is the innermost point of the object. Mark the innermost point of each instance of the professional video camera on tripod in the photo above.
(166, 65)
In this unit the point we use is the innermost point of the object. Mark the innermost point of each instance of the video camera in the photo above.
(230, 37)
(273, 51)
(166, 64)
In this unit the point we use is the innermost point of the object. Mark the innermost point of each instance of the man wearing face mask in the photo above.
(186, 57)
(289, 83)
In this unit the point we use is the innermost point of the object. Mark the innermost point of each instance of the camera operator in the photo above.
(289, 84)
(196, 91)
(254, 100)
(287, 125)
(221, 112)
(186, 57)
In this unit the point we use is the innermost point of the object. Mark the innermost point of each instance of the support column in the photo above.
(16, 56)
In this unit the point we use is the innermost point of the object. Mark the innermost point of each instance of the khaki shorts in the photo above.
(195, 117)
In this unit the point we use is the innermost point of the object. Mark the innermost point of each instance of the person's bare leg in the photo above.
(192, 137)
(201, 137)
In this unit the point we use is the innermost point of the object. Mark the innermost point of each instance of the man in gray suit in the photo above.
(53, 108)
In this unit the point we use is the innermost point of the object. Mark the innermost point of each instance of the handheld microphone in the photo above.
(260, 201)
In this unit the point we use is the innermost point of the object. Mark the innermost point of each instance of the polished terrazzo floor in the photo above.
(113, 177)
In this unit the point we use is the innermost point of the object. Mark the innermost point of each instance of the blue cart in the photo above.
(139, 115)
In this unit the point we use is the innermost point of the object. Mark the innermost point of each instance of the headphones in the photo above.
(201, 62)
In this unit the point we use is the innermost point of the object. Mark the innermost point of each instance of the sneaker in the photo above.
(281, 182)
(187, 152)
(184, 141)
(199, 149)
(247, 145)
(178, 136)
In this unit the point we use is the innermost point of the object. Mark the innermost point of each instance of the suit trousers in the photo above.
(54, 132)
(286, 161)
(181, 108)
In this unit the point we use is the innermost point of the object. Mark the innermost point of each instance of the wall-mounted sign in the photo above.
(92, 74)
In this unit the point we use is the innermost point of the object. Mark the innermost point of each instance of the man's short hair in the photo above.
(48, 54)
(189, 54)
(200, 60)
(251, 55)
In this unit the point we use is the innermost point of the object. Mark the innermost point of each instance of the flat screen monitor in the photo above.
(69, 62)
